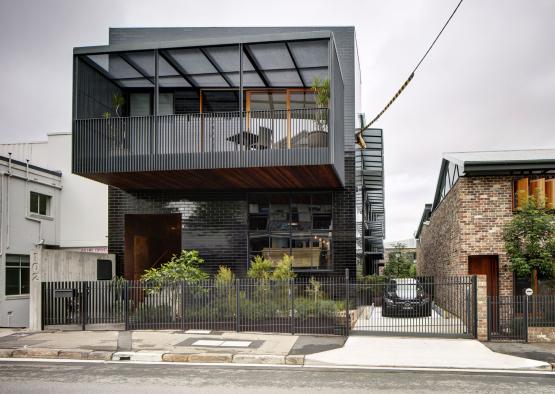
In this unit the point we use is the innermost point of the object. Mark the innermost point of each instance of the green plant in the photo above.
(308, 307)
(400, 264)
(146, 313)
(530, 240)
(284, 269)
(167, 277)
(314, 289)
(260, 268)
(118, 101)
(185, 267)
(224, 275)
(321, 89)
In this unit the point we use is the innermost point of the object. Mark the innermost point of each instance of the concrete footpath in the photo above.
(200, 346)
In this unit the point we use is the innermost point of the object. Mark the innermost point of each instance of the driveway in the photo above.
(373, 351)
(439, 322)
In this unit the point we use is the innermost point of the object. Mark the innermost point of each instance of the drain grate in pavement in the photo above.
(221, 343)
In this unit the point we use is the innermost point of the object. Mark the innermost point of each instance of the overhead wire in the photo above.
(411, 76)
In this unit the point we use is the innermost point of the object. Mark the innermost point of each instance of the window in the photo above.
(139, 104)
(298, 224)
(17, 274)
(165, 104)
(40, 204)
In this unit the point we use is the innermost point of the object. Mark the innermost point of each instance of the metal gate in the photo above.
(511, 317)
(424, 306)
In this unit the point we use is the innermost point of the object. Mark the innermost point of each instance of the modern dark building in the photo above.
(214, 139)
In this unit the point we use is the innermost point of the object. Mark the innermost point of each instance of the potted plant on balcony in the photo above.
(321, 88)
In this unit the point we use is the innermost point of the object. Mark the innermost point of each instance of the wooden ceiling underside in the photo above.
(290, 177)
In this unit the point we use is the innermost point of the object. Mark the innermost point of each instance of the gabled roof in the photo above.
(507, 160)
(482, 163)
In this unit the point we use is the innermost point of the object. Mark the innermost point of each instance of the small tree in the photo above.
(185, 267)
(530, 240)
(167, 277)
(400, 263)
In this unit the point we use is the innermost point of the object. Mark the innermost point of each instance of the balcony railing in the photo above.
(107, 144)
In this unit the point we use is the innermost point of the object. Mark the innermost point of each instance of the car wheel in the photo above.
(385, 311)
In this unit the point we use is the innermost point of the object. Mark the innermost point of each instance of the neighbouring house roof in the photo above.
(482, 163)
(31, 166)
(507, 160)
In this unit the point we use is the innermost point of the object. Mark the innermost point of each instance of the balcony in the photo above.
(241, 115)
(207, 149)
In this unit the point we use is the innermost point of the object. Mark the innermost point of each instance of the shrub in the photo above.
(284, 269)
(146, 313)
(308, 307)
(261, 268)
(224, 275)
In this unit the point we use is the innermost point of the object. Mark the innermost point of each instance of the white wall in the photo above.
(84, 203)
(21, 230)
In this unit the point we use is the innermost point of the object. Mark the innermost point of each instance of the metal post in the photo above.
(154, 129)
(475, 290)
(241, 95)
(526, 303)
(126, 304)
(183, 325)
(468, 315)
(292, 303)
(347, 317)
(84, 302)
(237, 299)
(489, 322)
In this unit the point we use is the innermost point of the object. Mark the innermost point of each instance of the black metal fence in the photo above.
(423, 306)
(299, 306)
(340, 306)
(511, 317)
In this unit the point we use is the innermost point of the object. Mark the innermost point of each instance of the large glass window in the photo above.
(298, 224)
(17, 274)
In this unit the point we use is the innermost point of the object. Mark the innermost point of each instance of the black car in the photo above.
(404, 297)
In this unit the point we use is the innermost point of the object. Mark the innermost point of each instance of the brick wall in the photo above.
(469, 221)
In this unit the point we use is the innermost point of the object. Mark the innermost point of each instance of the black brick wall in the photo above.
(215, 223)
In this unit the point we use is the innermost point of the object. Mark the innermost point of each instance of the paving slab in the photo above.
(374, 351)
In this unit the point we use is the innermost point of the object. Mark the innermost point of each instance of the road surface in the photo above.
(64, 377)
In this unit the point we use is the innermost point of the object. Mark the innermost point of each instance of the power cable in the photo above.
(411, 76)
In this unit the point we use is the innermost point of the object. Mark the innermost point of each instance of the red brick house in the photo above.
(476, 195)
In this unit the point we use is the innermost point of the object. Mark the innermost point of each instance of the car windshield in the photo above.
(406, 288)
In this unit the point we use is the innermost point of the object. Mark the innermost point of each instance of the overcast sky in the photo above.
(488, 84)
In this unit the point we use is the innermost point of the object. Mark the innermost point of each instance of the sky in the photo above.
(488, 84)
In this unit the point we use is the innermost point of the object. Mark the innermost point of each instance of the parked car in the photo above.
(404, 297)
